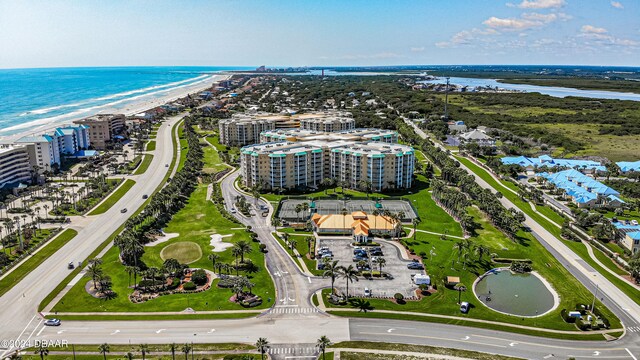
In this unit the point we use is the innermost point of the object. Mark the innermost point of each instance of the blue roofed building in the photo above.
(545, 161)
(583, 190)
(630, 235)
(626, 166)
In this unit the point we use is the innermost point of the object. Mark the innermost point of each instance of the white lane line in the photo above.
(25, 328)
(630, 354)
(34, 330)
(41, 330)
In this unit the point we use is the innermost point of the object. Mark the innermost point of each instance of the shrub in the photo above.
(399, 298)
(188, 286)
(199, 277)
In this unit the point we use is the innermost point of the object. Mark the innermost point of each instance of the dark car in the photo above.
(52, 322)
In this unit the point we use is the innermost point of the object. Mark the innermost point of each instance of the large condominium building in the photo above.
(103, 128)
(327, 122)
(387, 136)
(304, 164)
(44, 150)
(14, 165)
(244, 129)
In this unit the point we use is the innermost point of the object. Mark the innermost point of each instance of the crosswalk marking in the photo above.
(293, 310)
(634, 328)
(289, 350)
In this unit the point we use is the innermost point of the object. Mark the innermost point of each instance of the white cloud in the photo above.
(538, 4)
(590, 29)
(510, 23)
(617, 5)
(600, 36)
(546, 18)
(417, 49)
(466, 37)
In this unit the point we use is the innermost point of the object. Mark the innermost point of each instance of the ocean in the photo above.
(31, 98)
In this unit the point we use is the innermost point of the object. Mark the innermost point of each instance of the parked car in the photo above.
(415, 266)
(123, 210)
(464, 307)
(52, 322)
(70, 266)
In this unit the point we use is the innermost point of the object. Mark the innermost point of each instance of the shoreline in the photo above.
(146, 102)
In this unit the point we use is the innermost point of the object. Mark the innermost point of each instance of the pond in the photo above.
(515, 294)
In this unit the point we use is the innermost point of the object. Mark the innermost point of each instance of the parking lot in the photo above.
(384, 288)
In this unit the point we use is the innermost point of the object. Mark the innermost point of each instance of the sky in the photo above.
(274, 33)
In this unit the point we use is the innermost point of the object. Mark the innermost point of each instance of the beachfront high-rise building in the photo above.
(244, 129)
(14, 165)
(44, 150)
(103, 128)
(304, 164)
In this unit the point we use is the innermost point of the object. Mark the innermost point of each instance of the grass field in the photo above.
(613, 147)
(144, 165)
(151, 145)
(186, 252)
(113, 198)
(18, 273)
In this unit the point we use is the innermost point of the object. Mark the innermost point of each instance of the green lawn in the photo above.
(212, 159)
(151, 145)
(144, 165)
(113, 198)
(579, 248)
(49, 249)
(195, 223)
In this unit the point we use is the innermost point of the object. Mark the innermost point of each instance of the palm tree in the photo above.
(361, 304)
(481, 251)
(104, 349)
(381, 263)
(214, 258)
(332, 270)
(350, 274)
(42, 351)
(262, 344)
(185, 349)
(322, 344)
(460, 287)
(144, 349)
(243, 248)
(344, 218)
(94, 271)
(172, 348)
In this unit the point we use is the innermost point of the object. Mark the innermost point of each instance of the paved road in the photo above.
(19, 305)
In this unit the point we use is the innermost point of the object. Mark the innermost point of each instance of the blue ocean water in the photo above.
(30, 98)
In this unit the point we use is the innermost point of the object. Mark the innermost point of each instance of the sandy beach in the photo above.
(133, 106)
